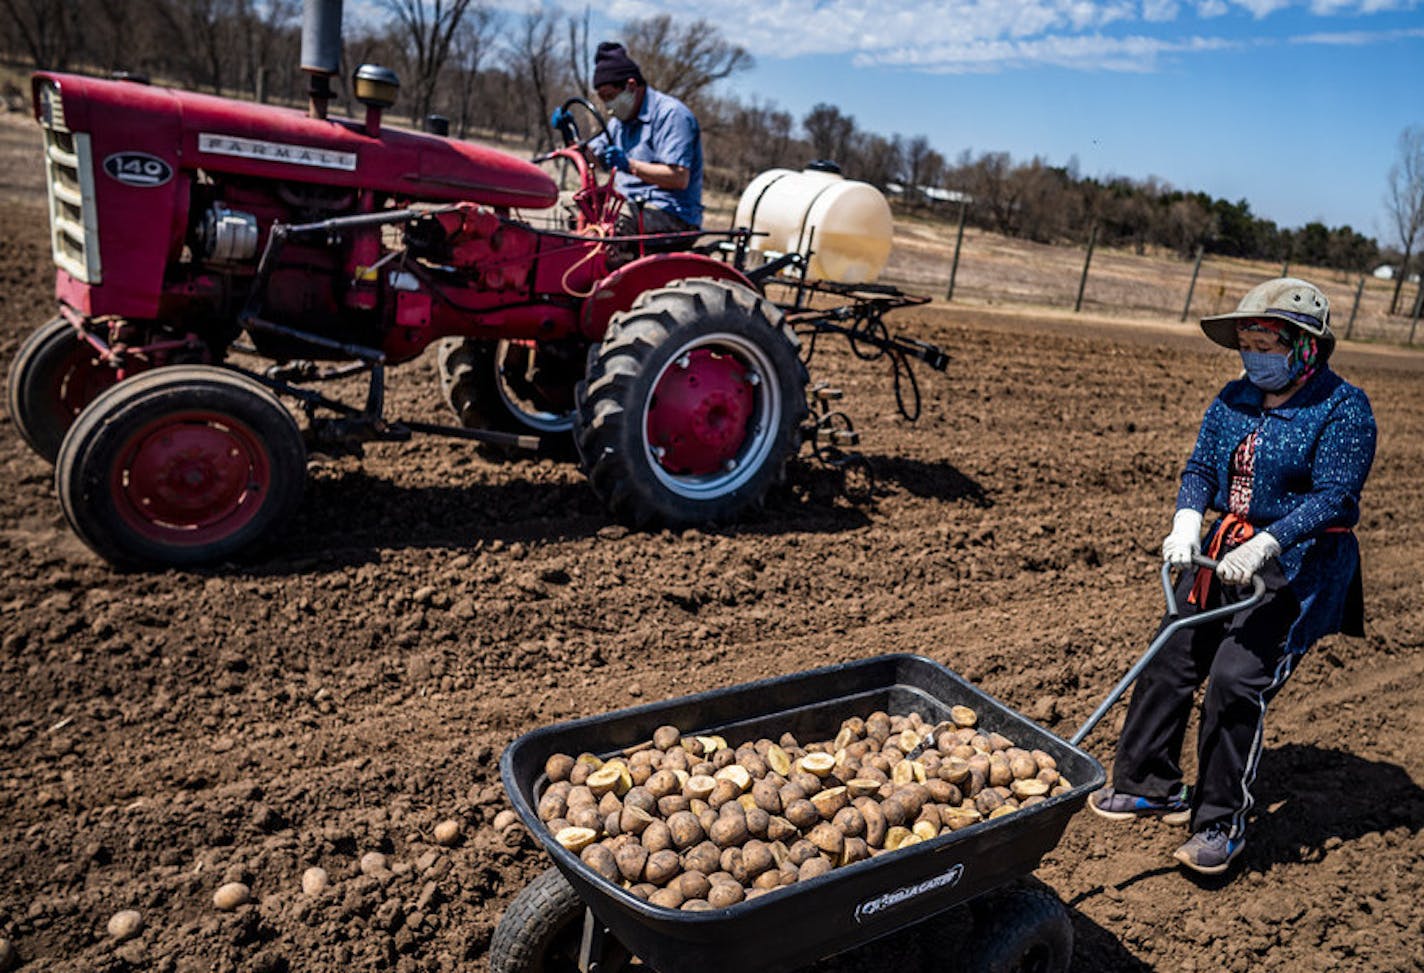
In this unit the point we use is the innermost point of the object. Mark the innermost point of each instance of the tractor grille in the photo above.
(69, 176)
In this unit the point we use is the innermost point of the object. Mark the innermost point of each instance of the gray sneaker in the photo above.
(1117, 806)
(1211, 850)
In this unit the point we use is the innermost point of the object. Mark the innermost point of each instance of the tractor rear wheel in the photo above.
(184, 465)
(52, 378)
(692, 405)
(512, 386)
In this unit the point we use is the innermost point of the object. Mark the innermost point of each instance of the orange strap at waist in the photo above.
(1235, 530)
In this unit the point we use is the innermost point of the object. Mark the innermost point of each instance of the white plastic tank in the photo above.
(845, 223)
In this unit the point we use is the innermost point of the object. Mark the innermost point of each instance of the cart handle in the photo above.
(1173, 611)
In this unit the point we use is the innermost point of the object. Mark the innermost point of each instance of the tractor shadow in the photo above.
(348, 516)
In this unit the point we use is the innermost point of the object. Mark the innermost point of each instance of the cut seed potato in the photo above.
(699, 787)
(604, 780)
(963, 716)
(1029, 787)
(576, 839)
(819, 764)
(737, 774)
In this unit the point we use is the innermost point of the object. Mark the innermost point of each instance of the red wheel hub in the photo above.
(699, 413)
(81, 378)
(192, 478)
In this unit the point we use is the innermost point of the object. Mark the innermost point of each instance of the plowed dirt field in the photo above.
(353, 686)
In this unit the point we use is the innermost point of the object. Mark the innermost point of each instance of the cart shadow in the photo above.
(1098, 950)
(348, 516)
(926, 949)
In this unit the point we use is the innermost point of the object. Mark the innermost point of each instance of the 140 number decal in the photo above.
(138, 169)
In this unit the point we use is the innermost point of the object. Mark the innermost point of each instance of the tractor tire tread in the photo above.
(616, 365)
(74, 479)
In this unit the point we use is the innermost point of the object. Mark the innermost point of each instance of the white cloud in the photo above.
(1358, 38)
(1159, 11)
(1088, 53)
(982, 35)
(1260, 9)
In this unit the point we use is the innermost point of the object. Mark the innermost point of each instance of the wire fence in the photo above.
(994, 269)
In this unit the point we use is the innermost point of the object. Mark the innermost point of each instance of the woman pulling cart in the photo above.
(1283, 452)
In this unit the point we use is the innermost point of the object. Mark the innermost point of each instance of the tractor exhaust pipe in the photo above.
(321, 51)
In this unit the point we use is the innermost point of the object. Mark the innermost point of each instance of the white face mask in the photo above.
(623, 106)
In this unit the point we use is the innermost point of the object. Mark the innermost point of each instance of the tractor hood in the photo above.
(205, 132)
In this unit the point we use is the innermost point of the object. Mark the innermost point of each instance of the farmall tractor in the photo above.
(194, 236)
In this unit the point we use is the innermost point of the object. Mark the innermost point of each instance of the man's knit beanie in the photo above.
(612, 65)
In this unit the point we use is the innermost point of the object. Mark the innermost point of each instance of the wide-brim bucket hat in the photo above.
(1287, 299)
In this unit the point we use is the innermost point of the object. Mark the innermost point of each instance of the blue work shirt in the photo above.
(1312, 457)
(666, 131)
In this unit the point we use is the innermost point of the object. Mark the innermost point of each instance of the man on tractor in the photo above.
(654, 149)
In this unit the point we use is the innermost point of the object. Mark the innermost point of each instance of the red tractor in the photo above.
(191, 233)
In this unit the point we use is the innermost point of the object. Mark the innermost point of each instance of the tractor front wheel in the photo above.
(53, 376)
(185, 465)
(692, 405)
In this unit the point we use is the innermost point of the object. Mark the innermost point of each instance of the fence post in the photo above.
(1196, 269)
(1083, 281)
(1359, 290)
(1418, 306)
(958, 242)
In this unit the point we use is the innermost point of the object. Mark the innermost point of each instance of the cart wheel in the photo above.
(542, 929)
(1025, 929)
(512, 386)
(692, 405)
(184, 465)
(52, 378)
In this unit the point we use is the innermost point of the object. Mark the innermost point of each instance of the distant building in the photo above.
(933, 194)
(1386, 272)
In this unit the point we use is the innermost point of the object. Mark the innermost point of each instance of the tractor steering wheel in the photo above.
(570, 130)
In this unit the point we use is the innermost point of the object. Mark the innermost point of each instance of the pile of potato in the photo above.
(693, 823)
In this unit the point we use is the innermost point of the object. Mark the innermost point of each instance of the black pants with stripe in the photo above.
(1243, 662)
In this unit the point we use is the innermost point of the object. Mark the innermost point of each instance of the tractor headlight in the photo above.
(49, 106)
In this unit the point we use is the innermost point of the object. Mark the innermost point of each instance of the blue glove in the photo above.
(613, 157)
(560, 118)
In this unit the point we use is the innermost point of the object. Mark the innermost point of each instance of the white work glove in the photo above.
(1242, 564)
(1185, 539)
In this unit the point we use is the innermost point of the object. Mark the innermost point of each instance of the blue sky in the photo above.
(1294, 106)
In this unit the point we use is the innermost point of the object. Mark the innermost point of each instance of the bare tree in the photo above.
(200, 32)
(429, 28)
(1187, 225)
(579, 59)
(49, 29)
(535, 59)
(830, 132)
(472, 45)
(1404, 198)
(994, 190)
(683, 60)
(877, 160)
(924, 168)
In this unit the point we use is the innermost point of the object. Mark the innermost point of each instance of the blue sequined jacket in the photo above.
(1312, 457)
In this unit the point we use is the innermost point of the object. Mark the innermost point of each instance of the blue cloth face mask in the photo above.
(1268, 371)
